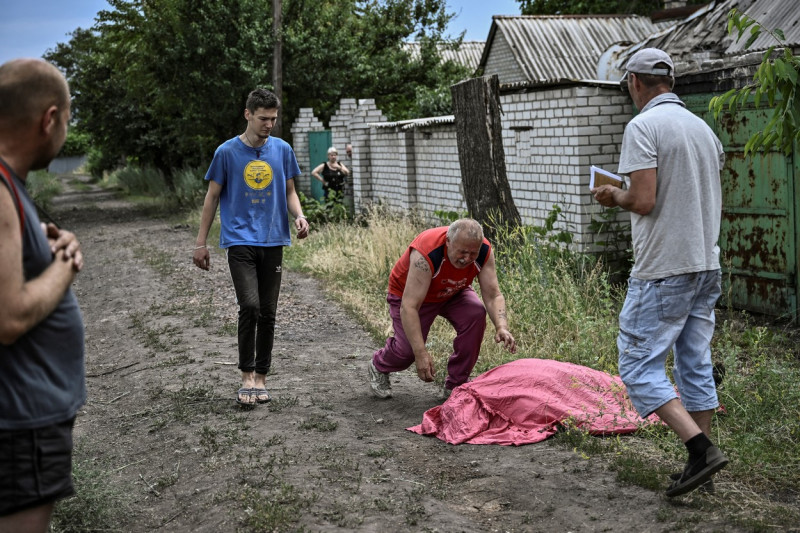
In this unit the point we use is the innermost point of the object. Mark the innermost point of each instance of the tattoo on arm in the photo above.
(501, 313)
(422, 265)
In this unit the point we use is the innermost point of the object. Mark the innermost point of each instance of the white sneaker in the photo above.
(379, 382)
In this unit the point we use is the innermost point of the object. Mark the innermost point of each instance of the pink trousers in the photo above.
(464, 311)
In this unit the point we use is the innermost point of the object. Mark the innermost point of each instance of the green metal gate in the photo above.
(761, 205)
(318, 144)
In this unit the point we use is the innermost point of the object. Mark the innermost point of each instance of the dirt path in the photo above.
(324, 455)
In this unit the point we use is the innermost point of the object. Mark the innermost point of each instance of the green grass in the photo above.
(98, 504)
(43, 187)
(563, 306)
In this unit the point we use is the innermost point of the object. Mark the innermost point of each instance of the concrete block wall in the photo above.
(304, 123)
(503, 62)
(439, 186)
(393, 176)
(551, 136)
(359, 132)
(340, 123)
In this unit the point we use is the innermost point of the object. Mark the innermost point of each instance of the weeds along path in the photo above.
(161, 445)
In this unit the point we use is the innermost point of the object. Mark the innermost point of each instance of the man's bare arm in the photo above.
(417, 283)
(495, 304)
(23, 304)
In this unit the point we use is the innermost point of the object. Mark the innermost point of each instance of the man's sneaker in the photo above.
(707, 487)
(699, 472)
(379, 382)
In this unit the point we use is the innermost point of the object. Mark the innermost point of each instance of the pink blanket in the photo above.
(524, 401)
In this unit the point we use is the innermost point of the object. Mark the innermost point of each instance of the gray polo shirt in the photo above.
(679, 235)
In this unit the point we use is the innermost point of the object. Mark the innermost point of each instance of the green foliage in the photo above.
(330, 210)
(587, 7)
(43, 187)
(141, 181)
(77, 143)
(548, 231)
(775, 81)
(98, 163)
(97, 504)
(163, 83)
(615, 253)
(448, 217)
(189, 187)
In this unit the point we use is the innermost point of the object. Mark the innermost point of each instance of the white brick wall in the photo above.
(551, 136)
(305, 122)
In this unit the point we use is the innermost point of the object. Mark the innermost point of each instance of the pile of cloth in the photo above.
(525, 401)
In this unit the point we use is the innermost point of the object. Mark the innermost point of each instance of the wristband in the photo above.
(300, 216)
(198, 247)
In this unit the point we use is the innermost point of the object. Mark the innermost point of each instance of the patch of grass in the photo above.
(158, 260)
(228, 328)
(178, 360)
(319, 423)
(212, 440)
(278, 508)
(99, 505)
(279, 404)
(43, 187)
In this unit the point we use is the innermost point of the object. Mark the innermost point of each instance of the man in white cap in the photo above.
(672, 160)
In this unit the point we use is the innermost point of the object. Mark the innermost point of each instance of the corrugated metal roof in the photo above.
(702, 38)
(780, 14)
(467, 54)
(564, 46)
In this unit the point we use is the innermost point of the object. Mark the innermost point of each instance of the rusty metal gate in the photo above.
(760, 227)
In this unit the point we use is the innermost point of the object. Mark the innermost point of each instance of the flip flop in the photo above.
(245, 397)
(258, 393)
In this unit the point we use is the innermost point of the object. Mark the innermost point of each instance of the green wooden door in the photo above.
(318, 144)
(761, 203)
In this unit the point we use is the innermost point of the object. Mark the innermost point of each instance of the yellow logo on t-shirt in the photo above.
(258, 174)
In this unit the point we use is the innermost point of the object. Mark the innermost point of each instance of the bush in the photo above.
(142, 181)
(43, 187)
(190, 187)
(77, 143)
(329, 211)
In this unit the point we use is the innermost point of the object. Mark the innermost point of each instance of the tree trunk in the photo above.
(277, 63)
(476, 105)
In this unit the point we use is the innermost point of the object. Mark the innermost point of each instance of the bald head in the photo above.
(28, 88)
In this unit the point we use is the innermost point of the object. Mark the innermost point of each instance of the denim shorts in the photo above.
(675, 313)
(35, 467)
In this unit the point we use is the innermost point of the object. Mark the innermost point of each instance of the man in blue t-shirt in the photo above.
(251, 178)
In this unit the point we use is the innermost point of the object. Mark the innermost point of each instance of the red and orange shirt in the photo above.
(447, 280)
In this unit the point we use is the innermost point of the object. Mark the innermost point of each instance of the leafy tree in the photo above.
(775, 80)
(589, 7)
(162, 83)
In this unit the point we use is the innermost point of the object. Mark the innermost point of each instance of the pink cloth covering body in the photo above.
(524, 401)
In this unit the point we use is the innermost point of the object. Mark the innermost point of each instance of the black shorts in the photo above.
(35, 466)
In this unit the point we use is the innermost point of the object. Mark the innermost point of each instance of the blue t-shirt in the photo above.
(252, 204)
(42, 375)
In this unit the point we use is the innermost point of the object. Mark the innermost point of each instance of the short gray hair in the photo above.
(465, 228)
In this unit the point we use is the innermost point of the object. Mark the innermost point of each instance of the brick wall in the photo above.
(304, 123)
(551, 135)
